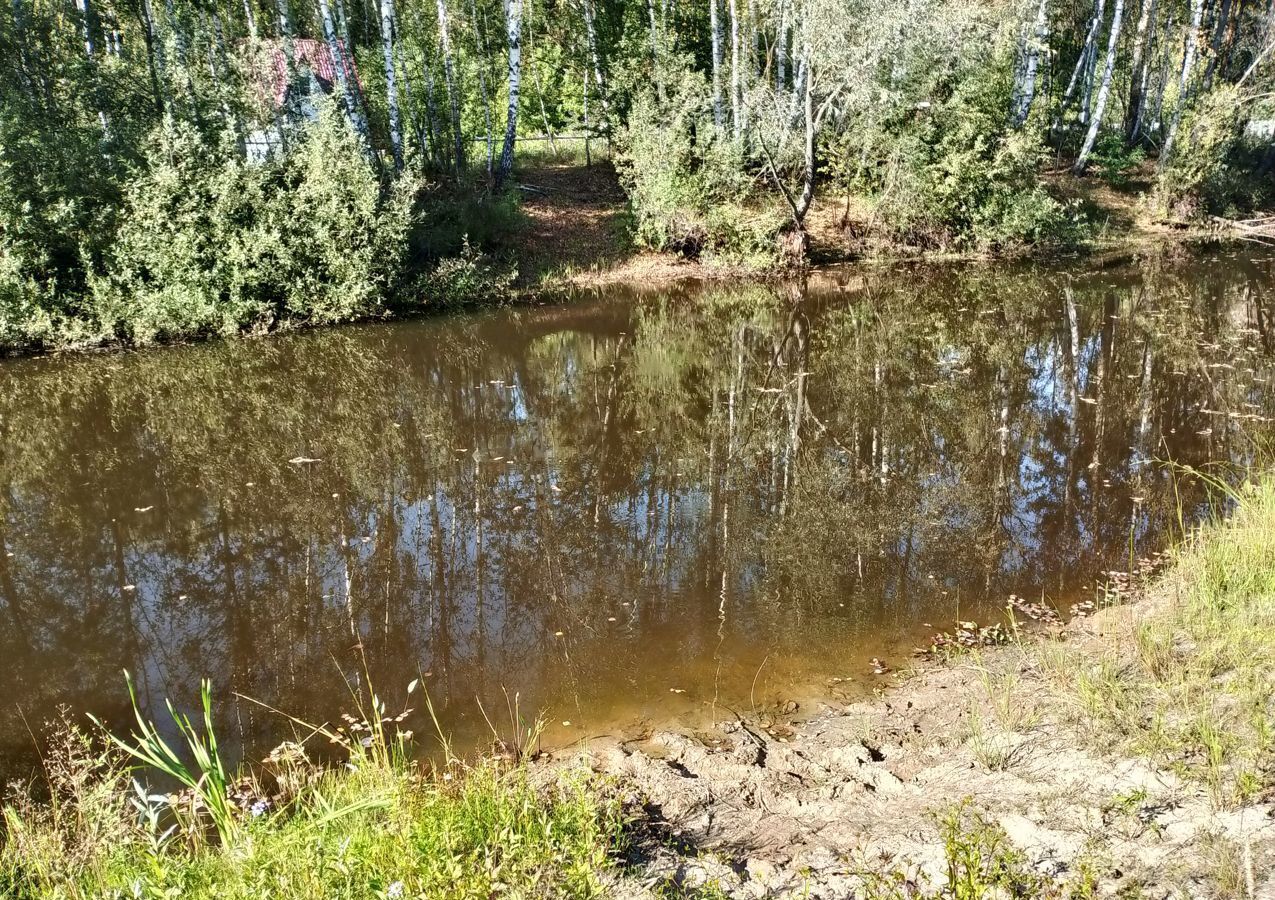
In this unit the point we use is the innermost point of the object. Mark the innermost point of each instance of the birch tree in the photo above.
(391, 86)
(1082, 63)
(342, 75)
(513, 36)
(1104, 91)
(1138, 71)
(1037, 43)
(449, 78)
(1184, 81)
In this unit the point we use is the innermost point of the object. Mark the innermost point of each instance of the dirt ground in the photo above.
(850, 800)
(577, 228)
(577, 231)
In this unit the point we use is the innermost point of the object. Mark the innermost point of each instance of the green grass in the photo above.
(1191, 684)
(378, 827)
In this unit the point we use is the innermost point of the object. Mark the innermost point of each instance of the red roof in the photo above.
(307, 54)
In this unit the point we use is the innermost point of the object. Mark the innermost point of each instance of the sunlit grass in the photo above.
(1191, 684)
(380, 826)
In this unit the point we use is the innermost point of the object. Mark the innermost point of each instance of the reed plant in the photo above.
(381, 824)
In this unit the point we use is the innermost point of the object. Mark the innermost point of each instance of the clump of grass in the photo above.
(1192, 685)
(380, 826)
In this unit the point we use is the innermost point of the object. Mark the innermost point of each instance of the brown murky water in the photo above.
(637, 506)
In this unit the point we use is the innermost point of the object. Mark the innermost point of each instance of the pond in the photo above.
(638, 507)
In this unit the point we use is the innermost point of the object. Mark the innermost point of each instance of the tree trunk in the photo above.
(431, 113)
(481, 44)
(449, 77)
(540, 91)
(802, 206)
(85, 10)
(513, 35)
(715, 25)
(152, 51)
(1215, 45)
(1138, 72)
(781, 48)
(1184, 82)
(1036, 43)
(736, 122)
(584, 103)
(342, 75)
(1162, 79)
(1104, 90)
(1082, 63)
(391, 86)
(591, 35)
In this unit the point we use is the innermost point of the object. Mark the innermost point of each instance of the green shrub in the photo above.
(469, 277)
(965, 178)
(211, 243)
(1112, 158)
(1211, 169)
(689, 191)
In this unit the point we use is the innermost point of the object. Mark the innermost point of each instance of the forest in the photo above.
(195, 167)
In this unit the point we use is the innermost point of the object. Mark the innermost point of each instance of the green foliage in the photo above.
(469, 277)
(1192, 686)
(1211, 170)
(981, 862)
(687, 188)
(207, 778)
(211, 243)
(377, 827)
(1112, 158)
(961, 177)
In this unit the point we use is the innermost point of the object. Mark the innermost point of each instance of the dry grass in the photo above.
(1187, 678)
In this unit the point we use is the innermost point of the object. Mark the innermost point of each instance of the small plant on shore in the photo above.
(380, 826)
(206, 778)
(981, 862)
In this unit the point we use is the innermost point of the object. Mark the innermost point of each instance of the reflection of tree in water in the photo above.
(679, 485)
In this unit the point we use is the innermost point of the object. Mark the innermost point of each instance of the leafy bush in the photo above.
(211, 243)
(469, 277)
(1112, 158)
(688, 191)
(1208, 171)
(964, 177)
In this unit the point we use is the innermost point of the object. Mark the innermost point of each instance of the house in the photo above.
(286, 102)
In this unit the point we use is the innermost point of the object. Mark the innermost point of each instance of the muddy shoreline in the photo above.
(853, 797)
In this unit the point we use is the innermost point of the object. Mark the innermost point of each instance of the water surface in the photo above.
(637, 507)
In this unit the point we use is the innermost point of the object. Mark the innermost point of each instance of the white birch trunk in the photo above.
(86, 23)
(1138, 71)
(1104, 89)
(1091, 36)
(591, 34)
(1037, 42)
(344, 78)
(1184, 82)
(715, 25)
(513, 35)
(391, 85)
(449, 77)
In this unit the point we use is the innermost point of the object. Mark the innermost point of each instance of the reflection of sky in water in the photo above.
(624, 472)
